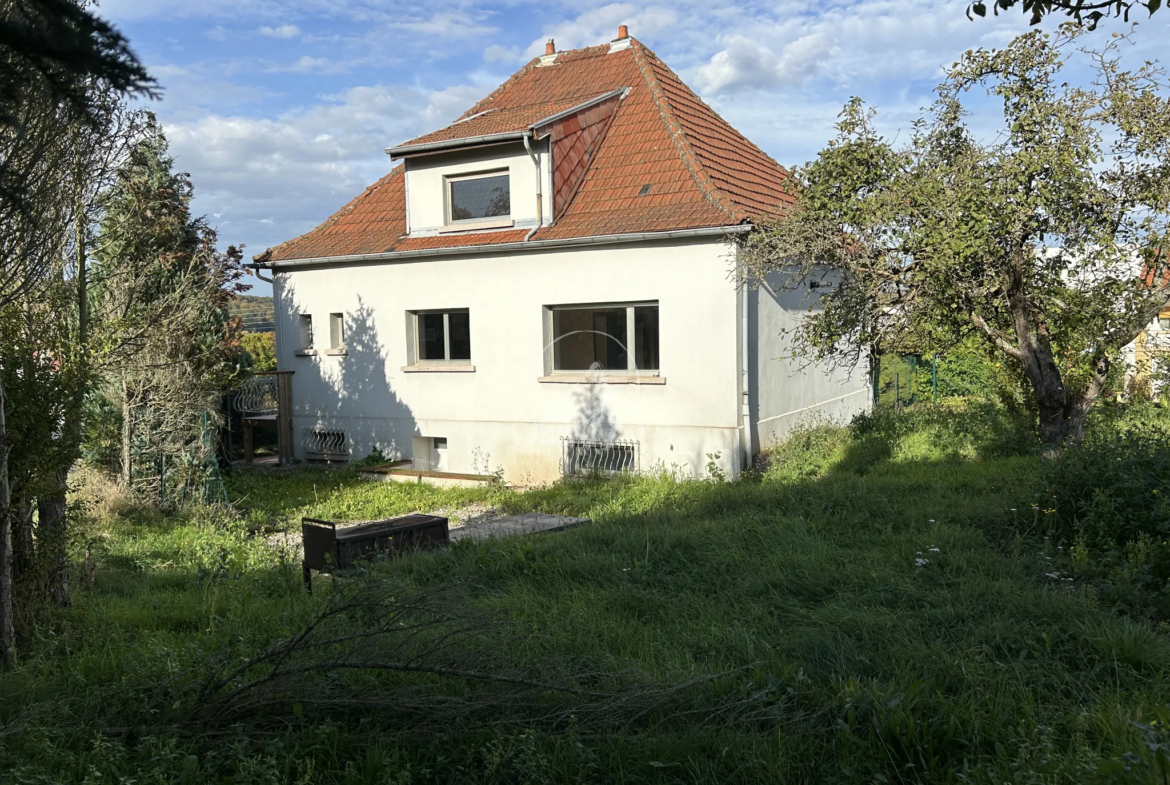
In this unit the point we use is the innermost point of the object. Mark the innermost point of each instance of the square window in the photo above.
(479, 196)
(336, 331)
(612, 338)
(443, 336)
(306, 330)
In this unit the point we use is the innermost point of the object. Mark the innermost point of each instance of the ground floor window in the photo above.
(610, 337)
(442, 336)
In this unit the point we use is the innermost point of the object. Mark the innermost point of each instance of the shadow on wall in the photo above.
(775, 311)
(593, 421)
(347, 393)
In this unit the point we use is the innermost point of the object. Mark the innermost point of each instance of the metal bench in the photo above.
(328, 547)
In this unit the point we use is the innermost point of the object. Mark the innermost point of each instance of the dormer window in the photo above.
(484, 197)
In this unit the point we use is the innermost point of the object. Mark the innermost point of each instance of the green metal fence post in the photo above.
(934, 378)
(876, 371)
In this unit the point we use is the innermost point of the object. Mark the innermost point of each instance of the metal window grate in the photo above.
(257, 396)
(580, 456)
(325, 444)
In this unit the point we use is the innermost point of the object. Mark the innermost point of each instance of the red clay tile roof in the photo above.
(495, 121)
(701, 171)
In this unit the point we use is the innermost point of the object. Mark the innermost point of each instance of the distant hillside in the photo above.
(256, 312)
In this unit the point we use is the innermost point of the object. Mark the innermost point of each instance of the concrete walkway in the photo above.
(527, 523)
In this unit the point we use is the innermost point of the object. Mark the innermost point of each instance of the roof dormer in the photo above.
(474, 175)
(488, 187)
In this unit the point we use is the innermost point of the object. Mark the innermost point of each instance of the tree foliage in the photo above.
(160, 294)
(261, 348)
(1089, 12)
(1035, 238)
(67, 60)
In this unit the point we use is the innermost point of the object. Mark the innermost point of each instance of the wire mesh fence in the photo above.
(904, 379)
(171, 472)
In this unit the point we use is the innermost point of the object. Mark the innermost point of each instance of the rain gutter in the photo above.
(499, 248)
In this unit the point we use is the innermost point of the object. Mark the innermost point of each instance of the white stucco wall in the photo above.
(786, 390)
(501, 409)
(426, 197)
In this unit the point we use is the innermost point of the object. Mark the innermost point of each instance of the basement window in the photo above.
(478, 197)
(612, 338)
(441, 337)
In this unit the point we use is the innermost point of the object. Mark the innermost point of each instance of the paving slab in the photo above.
(527, 523)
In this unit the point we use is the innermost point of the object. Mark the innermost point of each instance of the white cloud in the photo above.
(444, 106)
(283, 31)
(217, 33)
(501, 54)
(313, 65)
(746, 64)
(601, 25)
(448, 25)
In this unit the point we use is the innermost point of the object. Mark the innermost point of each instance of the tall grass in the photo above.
(866, 610)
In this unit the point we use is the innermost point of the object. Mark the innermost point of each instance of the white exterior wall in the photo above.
(784, 391)
(501, 409)
(426, 197)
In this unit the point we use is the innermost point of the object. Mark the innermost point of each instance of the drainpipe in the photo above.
(746, 412)
(539, 187)
(275, 311)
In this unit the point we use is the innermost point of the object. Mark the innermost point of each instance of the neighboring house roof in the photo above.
(701, 172)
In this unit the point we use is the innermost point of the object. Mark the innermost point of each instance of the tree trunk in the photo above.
(53, 534)
(21, 514)
(7, 631)
(52, 508)
(127, 433)
(1062, 421)
(1040, 368)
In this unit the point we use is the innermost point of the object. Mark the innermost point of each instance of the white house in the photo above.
(1149, 355)
(547, 285)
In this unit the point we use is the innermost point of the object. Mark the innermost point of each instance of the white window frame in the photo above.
(629, 370)
(416, 338)
(465, 223)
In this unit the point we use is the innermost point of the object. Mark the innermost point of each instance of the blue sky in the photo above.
(281, 109)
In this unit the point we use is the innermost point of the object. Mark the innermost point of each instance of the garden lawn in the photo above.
(875, 617)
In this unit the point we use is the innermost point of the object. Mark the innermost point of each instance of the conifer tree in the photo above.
(161, 290)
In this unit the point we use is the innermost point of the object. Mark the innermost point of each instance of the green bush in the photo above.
(949, 431)
(1107, 499)
(261, 347)
(101, 443)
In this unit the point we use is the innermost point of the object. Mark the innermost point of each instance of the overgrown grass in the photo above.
(281, 498)
(866, 610)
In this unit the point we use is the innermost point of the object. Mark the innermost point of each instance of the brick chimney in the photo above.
(550, 48)
(622, 42)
